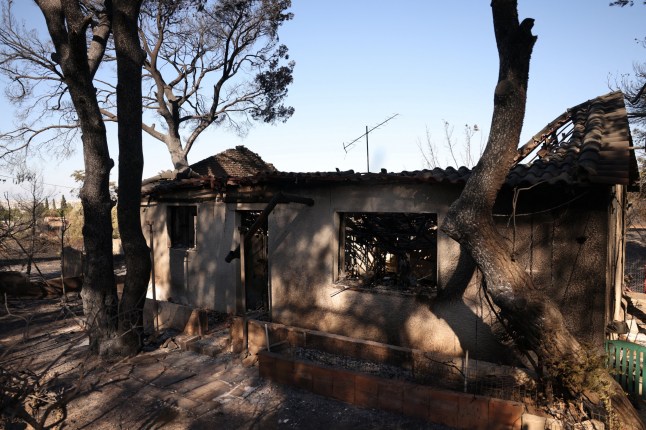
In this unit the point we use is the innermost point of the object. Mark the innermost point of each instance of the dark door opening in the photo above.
(256, 263)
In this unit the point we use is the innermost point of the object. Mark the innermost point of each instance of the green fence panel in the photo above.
(627, 361)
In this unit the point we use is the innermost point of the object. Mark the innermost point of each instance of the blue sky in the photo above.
(359, 62)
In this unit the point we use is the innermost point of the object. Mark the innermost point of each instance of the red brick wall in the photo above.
(459, 410)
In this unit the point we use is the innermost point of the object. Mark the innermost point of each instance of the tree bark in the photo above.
(67, 26)
(130, 58)
(535, 322)
(177, 153)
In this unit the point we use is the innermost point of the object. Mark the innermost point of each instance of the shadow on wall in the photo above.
(469, 327)
(197, 275)
(447, 323)
(565, 252)
(564, 249)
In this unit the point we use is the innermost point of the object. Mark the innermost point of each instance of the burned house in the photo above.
(361, 254)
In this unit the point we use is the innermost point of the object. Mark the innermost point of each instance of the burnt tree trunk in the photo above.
(130, 58)
(67, 27)
(534, 321)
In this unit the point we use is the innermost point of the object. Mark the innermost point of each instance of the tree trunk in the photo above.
(535, 322)
(177, 153)
(98, 293)
(66, 26)
(130, 58)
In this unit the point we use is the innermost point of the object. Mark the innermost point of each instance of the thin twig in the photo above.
(9, 314)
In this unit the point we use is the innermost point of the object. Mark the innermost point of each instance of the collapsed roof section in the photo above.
(588, 144)
(238, 162)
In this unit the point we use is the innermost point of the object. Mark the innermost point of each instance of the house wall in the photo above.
(560, 239)
(199, 277)
(566, 246)
(304, 256)
(304, 259)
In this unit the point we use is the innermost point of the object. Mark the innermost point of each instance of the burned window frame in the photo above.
(406, 237)
(182, 226)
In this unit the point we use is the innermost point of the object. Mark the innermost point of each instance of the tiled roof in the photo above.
(588, 144)
(236, 162)
(437, 175)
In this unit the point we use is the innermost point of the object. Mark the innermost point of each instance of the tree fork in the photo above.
(535, 322)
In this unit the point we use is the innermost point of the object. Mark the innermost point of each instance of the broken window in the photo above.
(396, 251)
(181, 226)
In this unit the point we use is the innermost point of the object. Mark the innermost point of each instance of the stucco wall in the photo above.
(562, 244)
(567, 258)
(564, 248)
(199, 277)
(303, 249)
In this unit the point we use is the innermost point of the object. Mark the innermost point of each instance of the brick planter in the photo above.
(432, 365)
(453, 409)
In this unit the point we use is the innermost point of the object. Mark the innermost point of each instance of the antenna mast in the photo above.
(348, 145)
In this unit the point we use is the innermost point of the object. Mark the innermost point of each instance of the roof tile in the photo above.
(235, 162)
(590, 143)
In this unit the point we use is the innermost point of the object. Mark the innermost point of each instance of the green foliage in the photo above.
(75, 219)
(64, 208)
(79, 177)
(5, 214)
(273, 84)
(623, 3)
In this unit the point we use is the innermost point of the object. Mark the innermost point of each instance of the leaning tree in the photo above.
(533, 319)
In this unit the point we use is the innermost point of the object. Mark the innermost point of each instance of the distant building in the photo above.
(53, 222)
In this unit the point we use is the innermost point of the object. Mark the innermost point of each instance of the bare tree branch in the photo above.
(190, 47)
(46, 118)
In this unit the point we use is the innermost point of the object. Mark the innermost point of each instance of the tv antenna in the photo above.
(348, 145)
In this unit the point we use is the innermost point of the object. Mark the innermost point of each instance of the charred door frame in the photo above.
(239, 252)
(256, 260)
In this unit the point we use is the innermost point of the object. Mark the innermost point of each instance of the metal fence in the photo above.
(635, 263)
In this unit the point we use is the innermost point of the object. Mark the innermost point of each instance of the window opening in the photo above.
(181, 226)
(394, 251)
